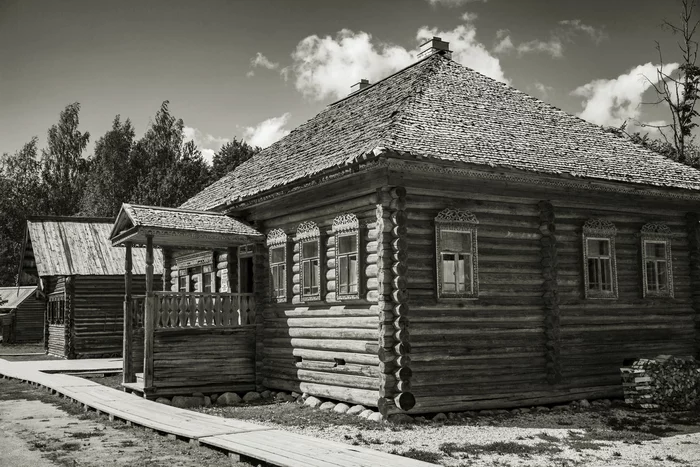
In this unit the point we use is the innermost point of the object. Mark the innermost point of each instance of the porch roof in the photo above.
(181, 228)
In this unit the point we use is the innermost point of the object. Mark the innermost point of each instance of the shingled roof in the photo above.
(58, 246)
(14, 296)
(177, 227)
(439, 109)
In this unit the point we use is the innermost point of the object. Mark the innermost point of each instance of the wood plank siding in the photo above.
(29, 321)
(203, 360)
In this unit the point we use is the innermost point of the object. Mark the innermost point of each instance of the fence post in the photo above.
(149, 318)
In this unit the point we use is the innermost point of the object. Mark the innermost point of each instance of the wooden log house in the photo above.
(441, 241)
(21, 315)
(80, 279)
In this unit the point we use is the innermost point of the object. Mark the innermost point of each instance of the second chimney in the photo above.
(435, 45)
(359, 86)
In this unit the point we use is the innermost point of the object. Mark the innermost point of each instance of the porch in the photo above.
(199, 333)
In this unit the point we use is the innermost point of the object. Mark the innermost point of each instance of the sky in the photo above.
(255, 69)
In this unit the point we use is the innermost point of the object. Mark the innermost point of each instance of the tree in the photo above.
(111, 180)
(230, 156)
(679, 92)
(21, 196)
(64, 170)
(170, 170)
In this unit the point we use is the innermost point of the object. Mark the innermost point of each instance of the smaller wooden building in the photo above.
(21, 315)
(80, 277)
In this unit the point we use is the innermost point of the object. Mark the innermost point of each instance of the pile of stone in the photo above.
(664, 382)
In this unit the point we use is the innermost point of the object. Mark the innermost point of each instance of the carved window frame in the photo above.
(654, 232)
(277, 238)
(308, 232)
(347, 225)
(457, 220)
(600, 229)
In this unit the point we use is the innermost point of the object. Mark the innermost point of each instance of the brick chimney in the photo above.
(435, 45)
(359, 86)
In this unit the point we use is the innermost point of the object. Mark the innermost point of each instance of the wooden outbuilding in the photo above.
(21, 315)
(80, 277)
(441, 241)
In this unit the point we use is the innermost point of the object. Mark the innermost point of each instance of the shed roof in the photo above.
(15, 296)
(179, 227)
(80, 246)
(440, 110)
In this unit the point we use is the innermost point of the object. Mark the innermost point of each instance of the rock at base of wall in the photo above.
(228, 398)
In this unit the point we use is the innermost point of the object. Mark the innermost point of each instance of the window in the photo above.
(347, 268)
(197, 279)
(277, 242)
(208, 279)
(657, 275)
(309, 238)
(600, 272)
(457, 261)
(183, 281)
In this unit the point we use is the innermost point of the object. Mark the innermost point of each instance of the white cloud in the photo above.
(262, 61)
(206, 143)
(329, 66)
(611, 102)
(453, 3)
(469, 17)
(543, 89)
(598, 35)
(466, 50)
(267, 132)
(505, 44)
(552, 47)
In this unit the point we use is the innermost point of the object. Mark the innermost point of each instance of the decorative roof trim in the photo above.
(597, 226)
(451, 215)
(276, 237)
(346, 223)
(308, 230)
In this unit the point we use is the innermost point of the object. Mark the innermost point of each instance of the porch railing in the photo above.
(175, 310)
(179, 311)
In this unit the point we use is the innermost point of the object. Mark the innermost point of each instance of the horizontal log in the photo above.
(365, 397)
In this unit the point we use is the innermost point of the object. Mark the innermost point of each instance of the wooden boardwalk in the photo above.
(238, 438)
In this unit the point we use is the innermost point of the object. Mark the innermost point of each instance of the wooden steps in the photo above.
(238, 438)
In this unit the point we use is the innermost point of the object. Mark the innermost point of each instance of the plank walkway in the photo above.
(238, 438)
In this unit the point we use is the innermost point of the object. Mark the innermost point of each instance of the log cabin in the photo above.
(21, 315)
(434, 241)
(80, 279)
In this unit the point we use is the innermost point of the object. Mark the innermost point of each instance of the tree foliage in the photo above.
(22, 194)
(64, 170)
(230, 156)
(112, 178)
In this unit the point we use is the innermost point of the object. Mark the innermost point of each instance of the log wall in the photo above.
(203, 360)
(327, 348)
(98, 314)
(531, 337)
(29, 321)
(56, 343)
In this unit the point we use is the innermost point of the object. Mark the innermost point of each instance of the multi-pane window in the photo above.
(277, 243)
(309, 238)
(456, 259)
(600, 272)
(347, 256)
(183, 281)
(346, 263)
(310, 268)
(456, 253)
(197, 279)
(208, 279)
(599, 264)
(657, 271)
(278, 272)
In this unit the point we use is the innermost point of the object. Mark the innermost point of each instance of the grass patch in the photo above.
(547, 437)
(86, 434)
(500, 448)
(421, 455)
(70, 446)
(127, 443)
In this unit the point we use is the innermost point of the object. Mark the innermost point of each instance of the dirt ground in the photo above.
(24, 352)
(41, 430)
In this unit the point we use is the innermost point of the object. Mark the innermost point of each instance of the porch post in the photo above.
(149, 318)
(167, 268)
(128, 374)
